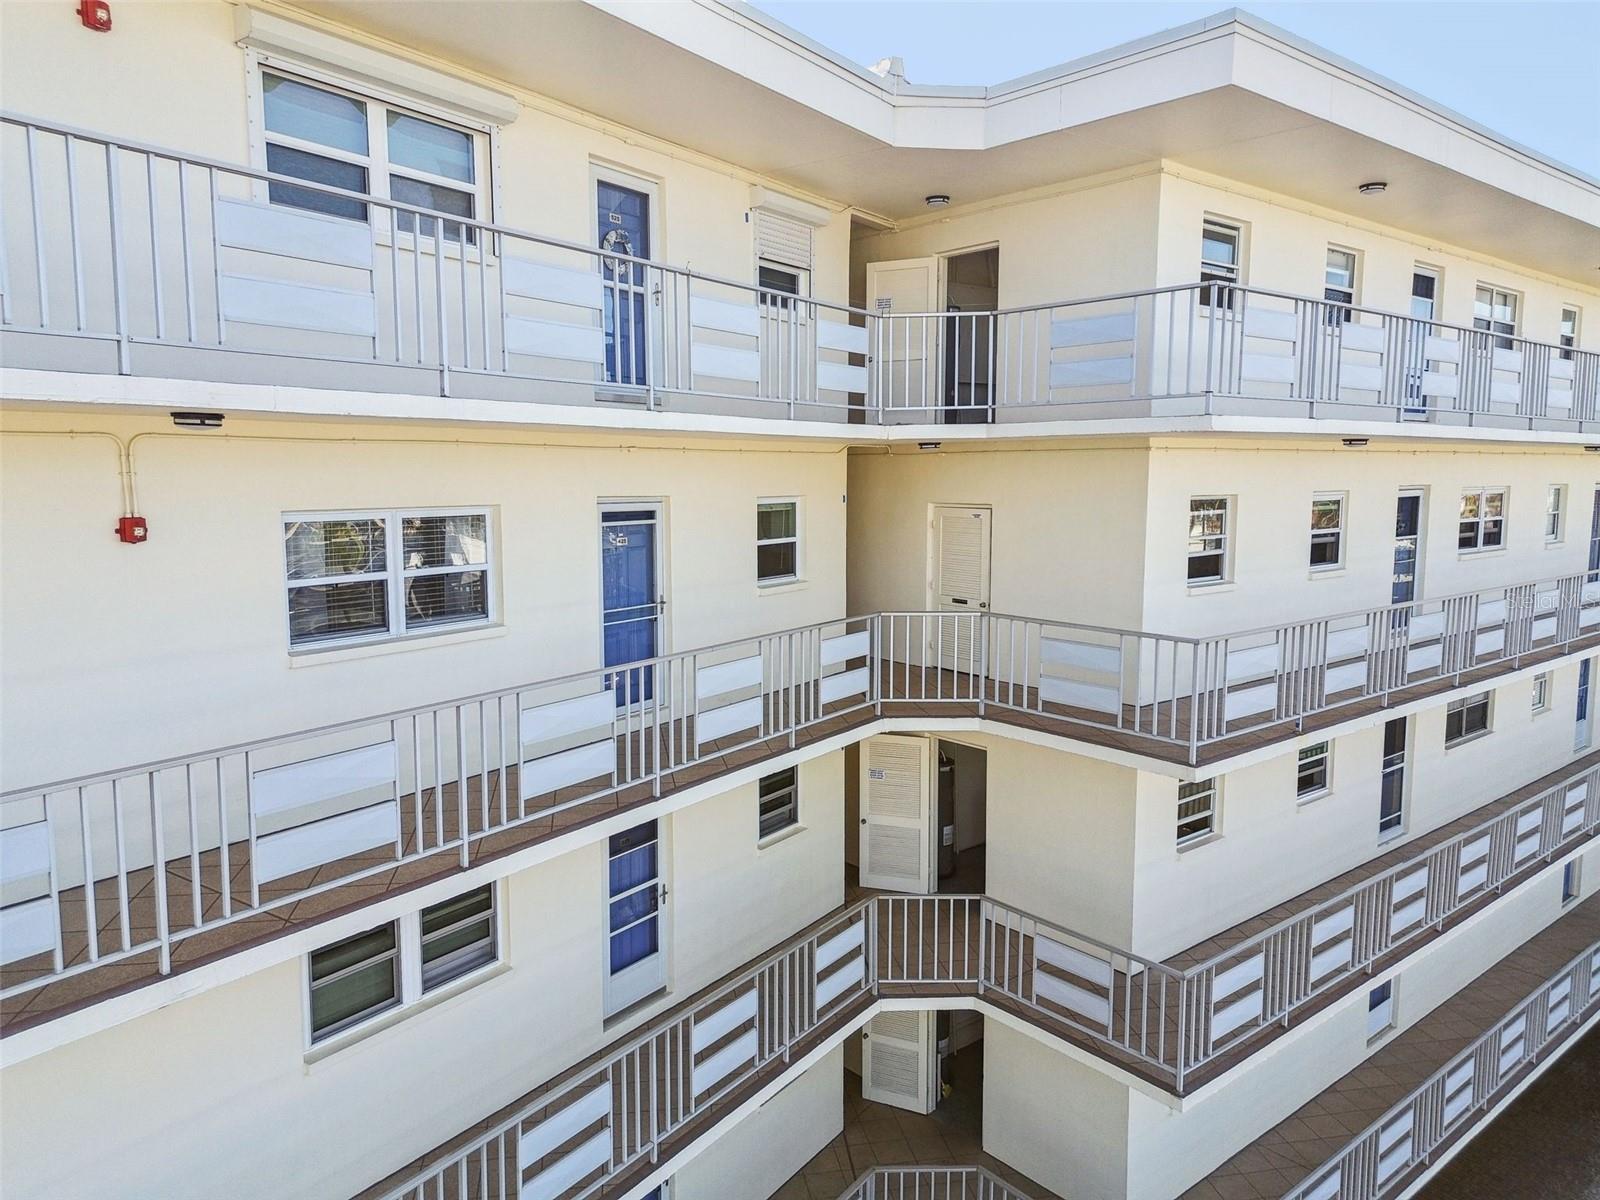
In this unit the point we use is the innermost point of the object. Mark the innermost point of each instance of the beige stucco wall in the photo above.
(1083, 238)
(1066, 528)
(192, 623)
(1286, 250)
(759, 1153)
(1272, 847)
(202, 1078)
(1271, 484)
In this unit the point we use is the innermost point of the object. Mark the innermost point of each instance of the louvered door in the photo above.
(960, 585)
(898, 1062)
(896, 823)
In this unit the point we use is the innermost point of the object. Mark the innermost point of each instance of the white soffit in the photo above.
(275, 36)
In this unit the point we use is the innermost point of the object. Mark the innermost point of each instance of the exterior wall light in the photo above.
(936, 445)
(937, 200)
(1375, 188)
(1354, 443)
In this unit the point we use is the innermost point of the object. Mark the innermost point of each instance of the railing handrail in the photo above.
(167, 763)
(261, 175)
(1244, 289)
(1439, 1132)
(1405, 865)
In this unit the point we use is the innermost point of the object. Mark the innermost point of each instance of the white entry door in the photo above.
(906, 348)
(899, 1061)
(959, 582)
(896, 814)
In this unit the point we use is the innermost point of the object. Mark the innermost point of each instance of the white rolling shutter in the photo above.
(782, 239)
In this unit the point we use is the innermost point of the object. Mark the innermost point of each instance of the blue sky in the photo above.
(1530, 71)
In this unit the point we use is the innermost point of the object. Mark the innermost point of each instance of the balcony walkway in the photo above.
(1281, 1159)
(879, 1135)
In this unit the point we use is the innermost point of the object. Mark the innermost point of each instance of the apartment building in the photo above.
(735, 626)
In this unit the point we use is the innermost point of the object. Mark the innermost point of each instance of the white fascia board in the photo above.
(1230, 48)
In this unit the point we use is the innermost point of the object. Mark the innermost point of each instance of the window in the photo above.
(1571, 881)
(1380, 1009)
(1197, 811)
(1327, 532)
(1553, 510)
(1495, 311)
(783, 280)
(1220, 261)
(330, 137)
(777, 803)
(1466, 718)
(353, 980)
(1208, 539)
(397, 964)
(369, 575)
(1483, 519)
(458, 936)
(1311, 778)
(1567, 338)
(777, 541)
(1339, 284)
(1541, 692)
(1424, 293)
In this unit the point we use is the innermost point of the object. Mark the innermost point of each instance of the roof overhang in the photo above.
(1229, 95)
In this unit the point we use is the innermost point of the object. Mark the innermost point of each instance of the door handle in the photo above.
(863, 820)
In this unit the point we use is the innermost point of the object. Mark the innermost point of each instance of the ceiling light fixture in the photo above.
(1375, 188)
(937, 200)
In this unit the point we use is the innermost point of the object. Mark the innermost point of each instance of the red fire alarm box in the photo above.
(132, 530)
(95, 15)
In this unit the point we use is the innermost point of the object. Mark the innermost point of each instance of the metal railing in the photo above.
(1257, 985)
(262, 825)
(1380, 1162)
(931, 1183)
(1182, 350)
(131, 252)
(670, 1081)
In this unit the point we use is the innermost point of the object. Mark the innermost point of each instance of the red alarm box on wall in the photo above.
(95, 15)
(132, 530)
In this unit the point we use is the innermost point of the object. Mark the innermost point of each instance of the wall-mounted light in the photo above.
(937, 200)
(936, 445)
(1592, 449)
(1354, 443)
(1374, 188)
(197, 420)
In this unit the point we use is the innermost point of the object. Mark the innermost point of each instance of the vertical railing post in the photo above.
(158, 868)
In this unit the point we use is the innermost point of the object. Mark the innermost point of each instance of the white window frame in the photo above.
(1199, 789)
(1540, 700)
(802, 284)
(378, 101)
(1338, 294)
(1222, 276)
(1501, 338)
(1555, 514)
(1479, 545)
(1415, 301)
(1485, 700)
(395, 575)
(1316, 752)
(1337, 531)
(792, 788)
(1381, 1017)
(410, 995)
(1225, 537)
(1568, 342)
(798, 540)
